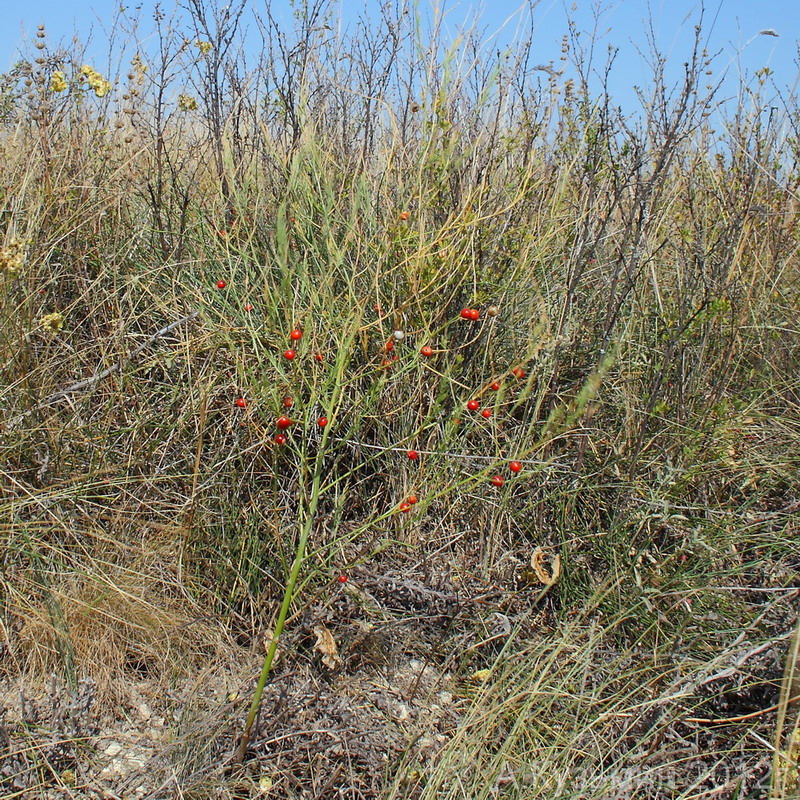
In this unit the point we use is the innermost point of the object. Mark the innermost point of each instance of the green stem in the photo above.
(288, 594)
(300, 554)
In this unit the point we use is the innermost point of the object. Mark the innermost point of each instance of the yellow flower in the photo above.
(58, 82)
(12, 257)
(187, 103)
(53, 323)
(102, 88)
(96, 81)
(205, 47)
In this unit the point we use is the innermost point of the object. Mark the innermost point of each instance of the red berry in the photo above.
(474, 314)
(427, 351)
(404, 215)
(389, 346)
(457, 421)
(241, 402)
(465, 313)
(497, 480)
(290, 354)
(473, 405)
(248, 307)
(405, 507)
(280, 438)
(288, 402)
(495, 387)
(412, 500)
(486, 413)
(343, 579)
(518, 372)
(318, 357)
(413, 455)
(221, 284)
(515, 466)
(322, 422)
(284, 423)
(296, 334)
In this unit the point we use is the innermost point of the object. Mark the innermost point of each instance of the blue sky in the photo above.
(732, 27)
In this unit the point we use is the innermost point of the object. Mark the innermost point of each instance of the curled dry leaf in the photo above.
(267, 642)
(539, 566)
(327, 647)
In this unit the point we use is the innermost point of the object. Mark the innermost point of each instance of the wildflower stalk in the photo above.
(288, 595)
(300, 554)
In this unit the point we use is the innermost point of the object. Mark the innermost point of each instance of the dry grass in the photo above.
(611, 621)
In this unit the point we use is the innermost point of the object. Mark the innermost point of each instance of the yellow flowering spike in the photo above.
(102, 88)
(58, 82)
(53, 323)
(12, 257)
(97, 82)
(187, 103)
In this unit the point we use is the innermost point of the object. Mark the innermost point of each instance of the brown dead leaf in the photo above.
(539, 566)
(326, 645)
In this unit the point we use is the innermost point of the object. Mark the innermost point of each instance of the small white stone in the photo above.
(399, 335)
